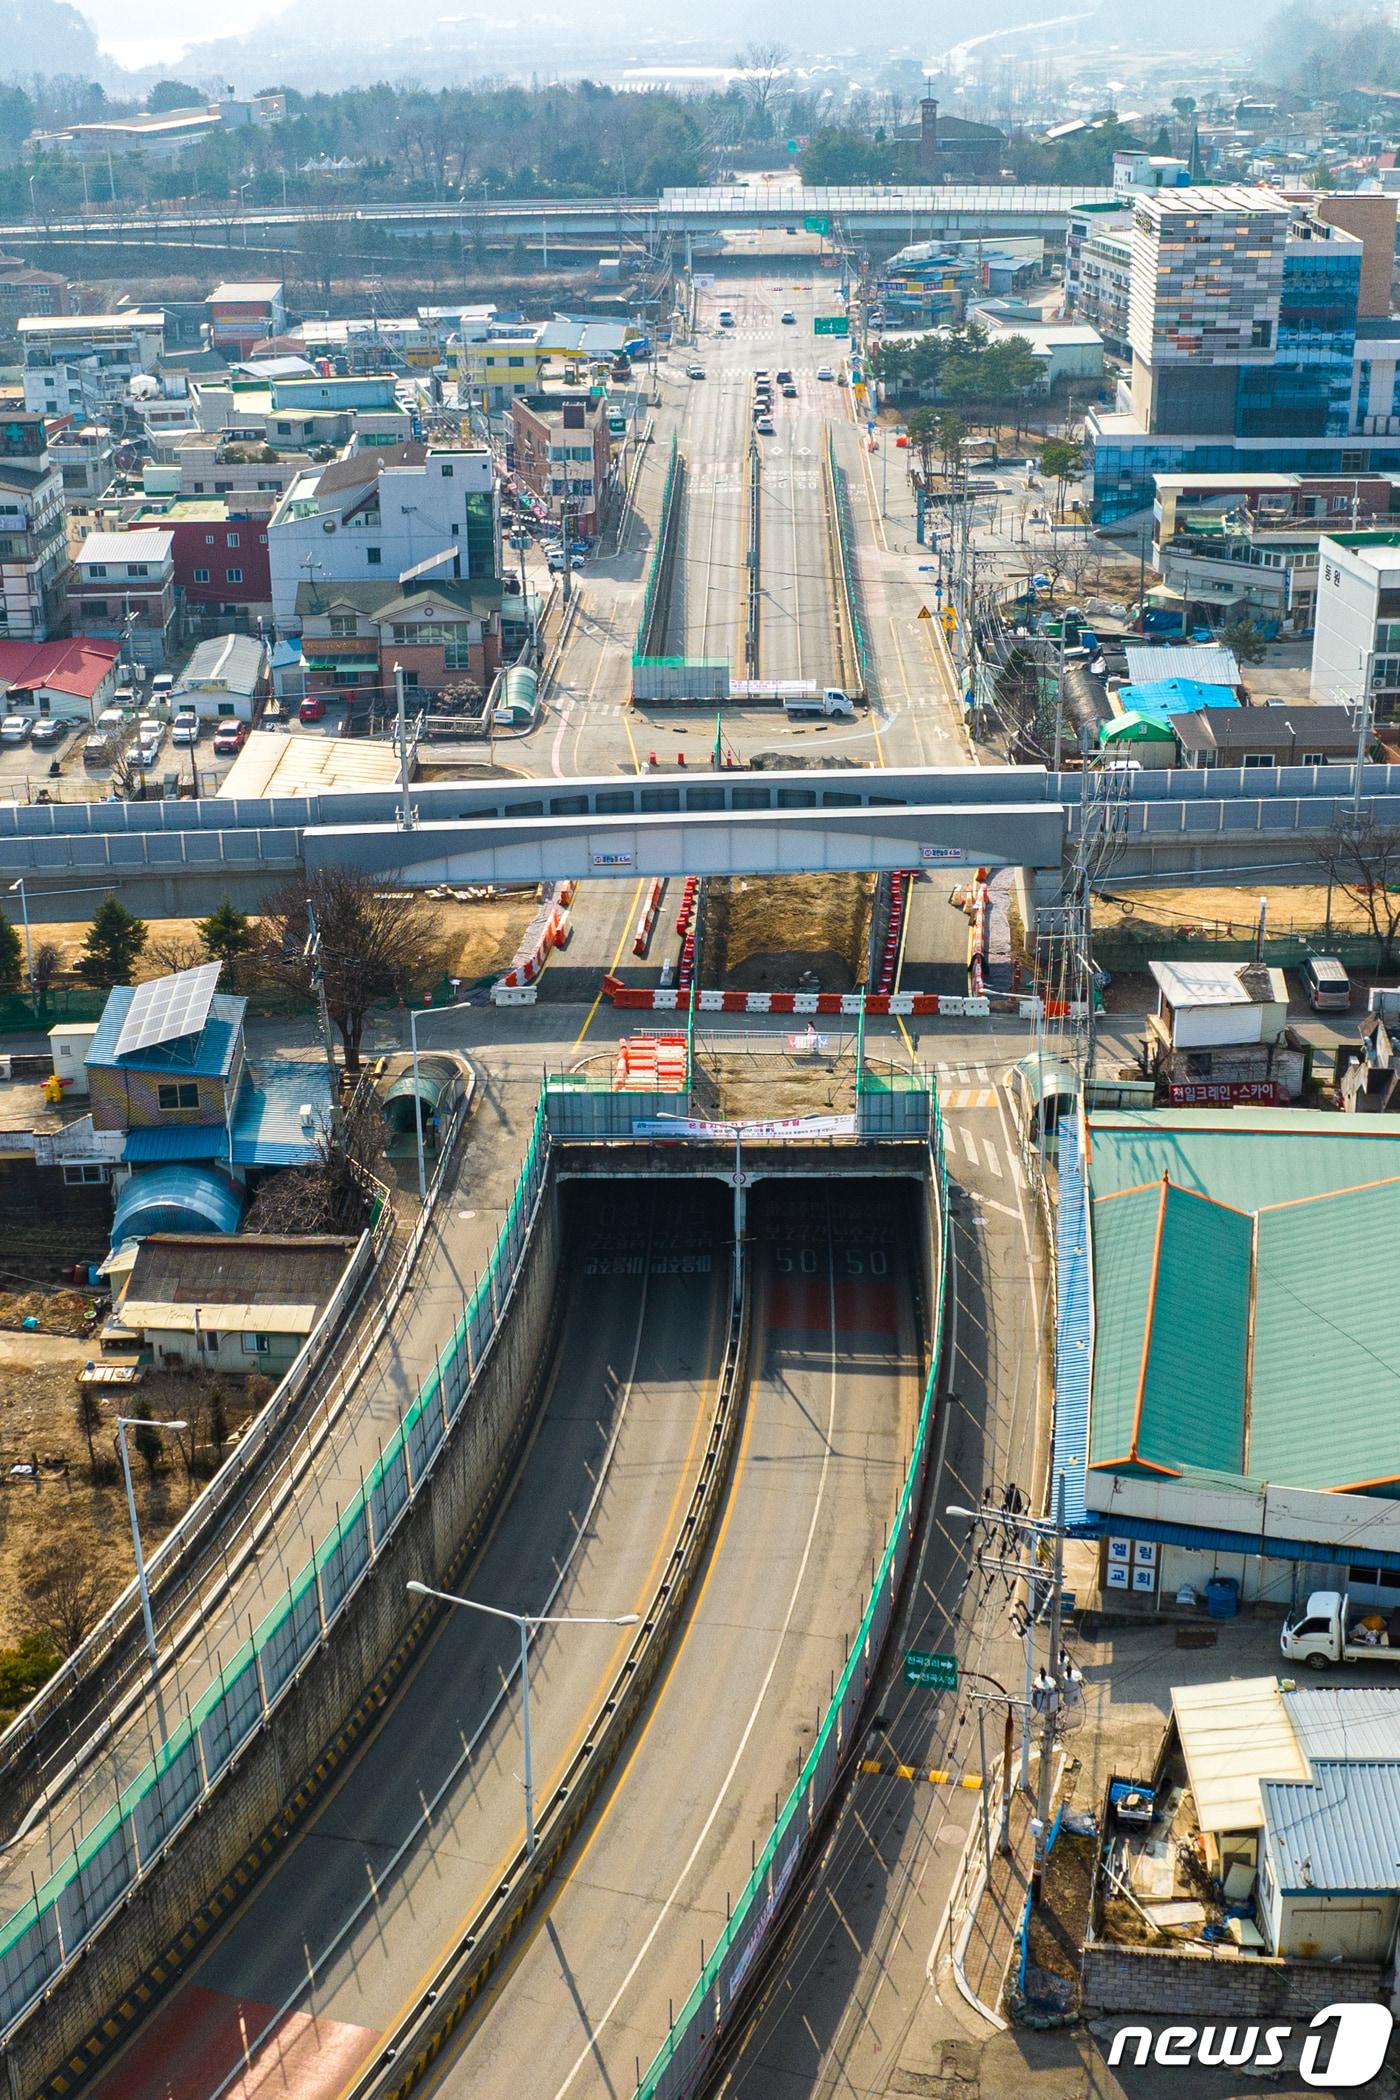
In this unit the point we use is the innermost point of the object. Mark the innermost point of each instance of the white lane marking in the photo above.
(993, 1162)
(969, 1145)
(586, 2055)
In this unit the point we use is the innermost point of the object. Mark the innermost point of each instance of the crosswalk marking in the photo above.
(993, 1157)
(969, 1145)
(968, 1097)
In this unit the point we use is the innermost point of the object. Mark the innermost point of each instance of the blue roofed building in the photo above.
(169, 1072)
(1243, 1355)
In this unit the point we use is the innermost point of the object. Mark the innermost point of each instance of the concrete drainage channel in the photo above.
(411, 2050)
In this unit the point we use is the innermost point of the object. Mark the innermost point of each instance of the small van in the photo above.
(1327, 985)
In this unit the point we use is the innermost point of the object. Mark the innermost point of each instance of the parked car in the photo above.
(185, 733)
(14, 729)
(764, 427)
(48, 731)
(110, 719)
(312, 709)
(95, 748)
(785, 379)
(162, 685)
(229, 739)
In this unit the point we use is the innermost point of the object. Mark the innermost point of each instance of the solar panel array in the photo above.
(168, 1008)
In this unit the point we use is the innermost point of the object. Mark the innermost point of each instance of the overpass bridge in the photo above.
(897, 213)
(1165, 827)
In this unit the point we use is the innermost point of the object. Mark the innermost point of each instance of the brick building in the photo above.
(564, 453)
(219, 549)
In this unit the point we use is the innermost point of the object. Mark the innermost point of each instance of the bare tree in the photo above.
(370, 944)
(62, 1589)
(763, 66)
(333, 1194)
(1361, 858)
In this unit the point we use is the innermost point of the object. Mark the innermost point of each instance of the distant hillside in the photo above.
(47, 36)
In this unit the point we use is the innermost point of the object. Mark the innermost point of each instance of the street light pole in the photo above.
(28, 945)
(525, 1623)
(413, 1014)
(125, 1422)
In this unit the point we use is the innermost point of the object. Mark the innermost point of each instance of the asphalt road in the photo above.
(331, 1943)
(847, 2007)
(834, 1385)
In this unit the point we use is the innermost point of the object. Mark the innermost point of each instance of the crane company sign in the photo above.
(1212, 1093)
(1343, 2046)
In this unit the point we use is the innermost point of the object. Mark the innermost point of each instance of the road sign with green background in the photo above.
(831, 324)
(938, 1673)
(816, 225)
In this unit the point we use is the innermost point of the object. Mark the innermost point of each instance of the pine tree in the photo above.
(114, 941)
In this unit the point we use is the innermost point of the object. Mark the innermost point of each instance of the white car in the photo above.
(186, 730)
(695, 371)
(556, 558)
(14, 729)
(162, 685)
(825, 372)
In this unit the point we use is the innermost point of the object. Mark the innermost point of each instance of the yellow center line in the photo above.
(617, 958)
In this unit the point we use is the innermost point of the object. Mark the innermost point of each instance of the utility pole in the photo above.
(1053, 1693)
(401, 700)
(1060, 696)
(1363, 731)
(565, 515)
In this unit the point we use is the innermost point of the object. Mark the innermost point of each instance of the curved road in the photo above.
(317, 1961)
(835, 1376)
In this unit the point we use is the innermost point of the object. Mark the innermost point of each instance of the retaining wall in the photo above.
(1158, 1982)
(294, 1753)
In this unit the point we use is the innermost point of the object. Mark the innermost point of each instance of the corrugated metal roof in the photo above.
(1233, 1736)
(1173, 696)
(1072, 1331)
(1200, 661)
(177, 1199)
(267, 1127)
(1337, 1723)
(1243, 1157)
(1340, 1835)
(176, 1141)
(1325, 1385)
(1314, 1369)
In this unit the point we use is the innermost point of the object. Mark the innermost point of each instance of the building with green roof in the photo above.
(1244, 1344)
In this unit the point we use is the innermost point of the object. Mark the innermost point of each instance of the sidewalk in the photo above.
(996, 1913)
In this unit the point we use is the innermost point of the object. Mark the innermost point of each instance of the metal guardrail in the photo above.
(688, 2054)
(651, 620)
(852, 648)
(753, 560)
(40, 1940)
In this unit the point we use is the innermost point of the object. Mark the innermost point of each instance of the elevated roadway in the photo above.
(901, 214)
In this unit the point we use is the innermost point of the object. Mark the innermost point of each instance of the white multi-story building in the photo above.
(1356, 636)
(33, 534)
(1207, 279)
(75, 364)
(378, 513)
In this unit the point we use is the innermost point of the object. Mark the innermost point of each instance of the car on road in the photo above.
(760, 372)
(48, 732)
(765, 427)
(789, 392)
(14, 729)
(695, 371)
(825, 372)
(788, 319)
(312, 709)
(785, 379)
(229, 739)
(555, 559)
(726, 318)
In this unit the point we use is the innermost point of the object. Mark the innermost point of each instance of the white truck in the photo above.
(1330, 1629)
(799, 696)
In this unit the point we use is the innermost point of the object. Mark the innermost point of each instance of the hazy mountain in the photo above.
(46, 36)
